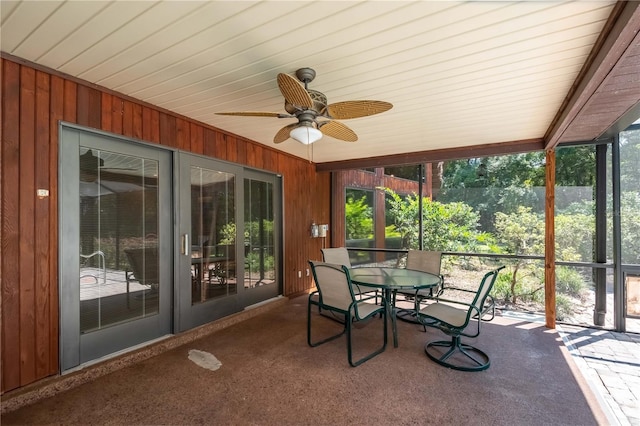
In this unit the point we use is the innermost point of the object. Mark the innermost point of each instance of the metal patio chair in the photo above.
(335, 295)
(453, 317)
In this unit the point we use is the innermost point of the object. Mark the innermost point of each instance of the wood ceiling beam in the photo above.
(435, 155)
(619, 34)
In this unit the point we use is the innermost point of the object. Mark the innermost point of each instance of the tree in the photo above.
(521, 233)
(492, 184)
(358, 218)
(447, 227)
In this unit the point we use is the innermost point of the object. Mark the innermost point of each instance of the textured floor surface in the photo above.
(269, 375)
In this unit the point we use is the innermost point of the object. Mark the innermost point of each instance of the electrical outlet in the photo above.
(299, 274)
(307, 271)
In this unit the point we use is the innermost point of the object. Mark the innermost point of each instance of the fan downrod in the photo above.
(306, 75)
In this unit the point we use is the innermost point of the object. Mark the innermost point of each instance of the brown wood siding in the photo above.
(33, 104)
(10, 224)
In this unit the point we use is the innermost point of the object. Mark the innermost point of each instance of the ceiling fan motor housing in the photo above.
(319, 103)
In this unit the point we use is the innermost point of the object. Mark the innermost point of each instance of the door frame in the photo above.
(77, 349)
(188, 315)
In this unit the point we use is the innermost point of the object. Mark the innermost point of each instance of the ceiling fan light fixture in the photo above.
(306, 134)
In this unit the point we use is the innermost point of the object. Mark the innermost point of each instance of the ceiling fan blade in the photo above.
(283, 134)
(337, 130)
(356, 109)
(253, 114)
(293, 92)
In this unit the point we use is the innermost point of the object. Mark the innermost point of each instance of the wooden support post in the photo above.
(549, 241)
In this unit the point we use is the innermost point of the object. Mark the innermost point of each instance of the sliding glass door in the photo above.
(261, 236)
(210, 256)
(155, 241)
(115, 240)
(229, 220)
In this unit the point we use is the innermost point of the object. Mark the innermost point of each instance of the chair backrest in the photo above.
(337, 256)
(425, 261)
(333, 284)
(483, 291)
(144, 263)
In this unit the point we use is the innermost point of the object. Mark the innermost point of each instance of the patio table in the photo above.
(390, 280)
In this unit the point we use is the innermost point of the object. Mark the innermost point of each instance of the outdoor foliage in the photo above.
(358, 218)
(496, 205)
(446, 227)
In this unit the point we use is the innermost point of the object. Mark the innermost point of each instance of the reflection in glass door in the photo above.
(213, 233)
(208, 266)
(260, 237)
(119, 234)
(115, 227)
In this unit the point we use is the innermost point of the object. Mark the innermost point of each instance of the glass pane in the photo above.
(632, 288)
(575, 211)
(213, 233)
(359, 231)
(119, 276)
(630, 195)
(488, 204)
(258, 234)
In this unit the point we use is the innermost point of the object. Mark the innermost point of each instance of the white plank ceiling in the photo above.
(459, 74)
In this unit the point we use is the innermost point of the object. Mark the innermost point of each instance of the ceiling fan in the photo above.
(315, 116)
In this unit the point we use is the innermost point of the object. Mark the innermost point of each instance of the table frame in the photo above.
(390, 280)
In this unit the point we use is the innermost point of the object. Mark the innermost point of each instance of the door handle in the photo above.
(184, 249)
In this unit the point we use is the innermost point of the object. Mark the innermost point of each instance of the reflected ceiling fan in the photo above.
(315, 116)
(90, 164)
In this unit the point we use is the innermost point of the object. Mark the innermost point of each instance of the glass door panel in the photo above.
(213, 231)
(208, 269)
(118, 233)
(261, 237)
(115, 226)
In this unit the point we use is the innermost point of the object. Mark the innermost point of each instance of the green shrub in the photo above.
(569, 281)
(564, 307)
(502, 287)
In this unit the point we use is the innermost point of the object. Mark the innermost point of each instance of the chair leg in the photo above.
(479, 358)
(309, 340)
(371, 355)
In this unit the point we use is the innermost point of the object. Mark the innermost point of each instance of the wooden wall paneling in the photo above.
(168, 130)
(337, 229)
(89, 107)
(10, 258)
(150, 125)
(41, 247)
(106, 118)
(300, 201)
(220, 146)
(127, 119)
(117, 117)
(325, 197)
(250, 155)
(241, 152)
(56, 114)
(26, 184)
(183, 134)
(136, 131)
(291, 224)
(232, 148)
(197, 138)
(210, 142)
(70, 109)
(269, 160)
